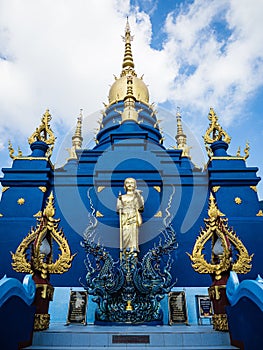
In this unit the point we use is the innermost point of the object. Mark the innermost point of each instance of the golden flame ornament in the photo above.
(224, 242)
(40, 242)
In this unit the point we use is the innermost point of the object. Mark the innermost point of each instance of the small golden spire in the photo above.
(180, 137)
(77, 137)
(127, 64)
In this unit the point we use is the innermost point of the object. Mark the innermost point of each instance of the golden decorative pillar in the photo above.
(34, 255)
(227, 253)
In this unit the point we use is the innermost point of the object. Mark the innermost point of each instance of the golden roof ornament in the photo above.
(215, 131)
(39, 244)
(44, 133)
(128, 84)
(224, 243)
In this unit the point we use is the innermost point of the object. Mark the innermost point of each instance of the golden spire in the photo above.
(128, 85)
(77, 137)
(180, 137)
(127, 64)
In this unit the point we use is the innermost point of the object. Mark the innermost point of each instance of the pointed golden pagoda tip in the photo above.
(127, 38)
(178, 113)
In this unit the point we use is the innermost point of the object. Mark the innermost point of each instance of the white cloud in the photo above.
(223, 72)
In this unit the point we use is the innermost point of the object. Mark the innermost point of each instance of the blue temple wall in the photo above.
(173, 189)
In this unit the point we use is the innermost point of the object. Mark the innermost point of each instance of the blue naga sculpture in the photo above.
(128, 290)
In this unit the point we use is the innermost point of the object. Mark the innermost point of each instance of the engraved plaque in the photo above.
(77, 308)
(177, 308)
(130, 339)
(204, 306)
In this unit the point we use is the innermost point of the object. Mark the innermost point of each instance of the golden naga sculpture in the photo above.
(40, 241)
(44, 133)
(215, 131)
(224, 242)
(11, 151)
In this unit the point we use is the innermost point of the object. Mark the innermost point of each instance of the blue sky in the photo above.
(193, 54)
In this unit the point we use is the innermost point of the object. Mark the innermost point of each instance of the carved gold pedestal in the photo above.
(41, 322)
(220, 322)
(217, 294)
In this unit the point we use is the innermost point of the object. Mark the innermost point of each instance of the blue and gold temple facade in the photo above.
(130, 144)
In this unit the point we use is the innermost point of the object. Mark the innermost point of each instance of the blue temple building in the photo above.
(130, 143)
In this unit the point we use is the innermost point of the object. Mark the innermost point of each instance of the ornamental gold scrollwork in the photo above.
(215, 131)
(46, 232)
(44, 133)
(216, 228)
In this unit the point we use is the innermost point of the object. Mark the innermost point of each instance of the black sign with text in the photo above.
(77, 309)
(177, 308)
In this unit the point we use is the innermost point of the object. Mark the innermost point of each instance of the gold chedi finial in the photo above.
(76, 138)
(44, 133)
(228, 252)
(128, 84)
(127, 60)
(215, 131)
(181, 139)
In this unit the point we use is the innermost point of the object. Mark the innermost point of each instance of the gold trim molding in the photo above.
(98, 214)
(216, 188)
(100, 188)
(157, 188)
(5, 188)
(254, 188)
(42, 188)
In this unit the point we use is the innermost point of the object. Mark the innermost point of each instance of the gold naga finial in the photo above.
(44, 133)
(39, 243)
(215, 131)
(180, 137)
(76, 138)
(12, 151)
(246, 151)
(224, 243)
